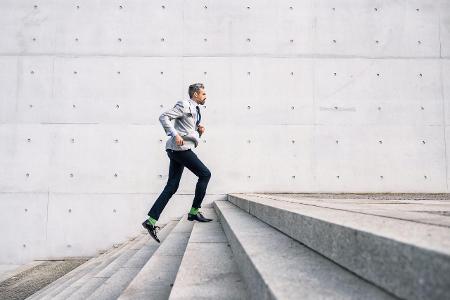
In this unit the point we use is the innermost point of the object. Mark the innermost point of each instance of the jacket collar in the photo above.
(192, 105)
(193, 102)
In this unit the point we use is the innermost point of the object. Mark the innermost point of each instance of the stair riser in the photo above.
(258, 289)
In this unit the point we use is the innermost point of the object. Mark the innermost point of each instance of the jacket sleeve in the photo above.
(174, 113)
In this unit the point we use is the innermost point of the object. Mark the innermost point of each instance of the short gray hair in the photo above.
(195, 88)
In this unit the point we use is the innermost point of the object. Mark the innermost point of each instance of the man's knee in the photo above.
(172, 187)
(206, 174)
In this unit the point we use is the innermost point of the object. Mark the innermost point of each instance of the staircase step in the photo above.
(85, 281)
(156, 278)
(113, 286)
(76, 273)
(84, 286)
(276, 266)
(410, 259)
(208, 268)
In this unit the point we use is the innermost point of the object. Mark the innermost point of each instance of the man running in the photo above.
(184, 134)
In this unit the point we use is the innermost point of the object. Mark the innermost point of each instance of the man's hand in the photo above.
(201, 129)
(179, 140)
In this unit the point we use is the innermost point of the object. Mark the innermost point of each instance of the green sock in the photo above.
(193, 211)
(151, 221)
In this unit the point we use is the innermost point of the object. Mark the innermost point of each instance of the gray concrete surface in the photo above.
(420, 208)
(208, 269)
(113, 286)
(81, 273)
(156, 278)
(8, 271)
(406, 257)
(26, 283)
(77, 273)
(359, 91)
(93, 279)
(376, 197)
(276, 266)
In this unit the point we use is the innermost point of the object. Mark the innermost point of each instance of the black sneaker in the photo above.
(153, 230)
(198, 217)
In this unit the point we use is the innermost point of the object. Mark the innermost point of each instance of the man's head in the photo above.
(197, 93)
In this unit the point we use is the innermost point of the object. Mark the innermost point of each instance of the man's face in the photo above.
(200, 96)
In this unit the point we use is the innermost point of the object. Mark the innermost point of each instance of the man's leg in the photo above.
(190, 160)
(175, 172)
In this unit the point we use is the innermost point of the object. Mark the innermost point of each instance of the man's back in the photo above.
(185, 115)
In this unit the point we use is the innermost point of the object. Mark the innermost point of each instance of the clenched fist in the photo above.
(201, 129)
(179, 140)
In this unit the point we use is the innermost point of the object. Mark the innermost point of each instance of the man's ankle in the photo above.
(151, 221)
(193, 211)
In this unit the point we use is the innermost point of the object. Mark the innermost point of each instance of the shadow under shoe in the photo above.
(198, 217)
(152, 230)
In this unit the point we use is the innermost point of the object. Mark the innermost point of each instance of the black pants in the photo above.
(179, 160)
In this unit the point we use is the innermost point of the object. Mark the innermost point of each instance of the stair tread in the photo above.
(428, 236)
(208, 268)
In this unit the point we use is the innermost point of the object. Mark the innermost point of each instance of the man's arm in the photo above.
(174, 113)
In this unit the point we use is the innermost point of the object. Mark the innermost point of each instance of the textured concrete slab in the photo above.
(112, 287)
(433, 212)
(76, 273)
(208, 269)
(407, 258)
(25, 283)
(90, 285)
(370, 196)
(68, 288)
(10, 270)
(209, 232)
(276, 266)
(156, 278)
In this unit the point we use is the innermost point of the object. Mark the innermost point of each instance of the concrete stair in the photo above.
(66, 280)
(276, 266)
(115, 284)
(83, 281)
(404, 251)
(156, 278)
(266, 246)
(208, 269)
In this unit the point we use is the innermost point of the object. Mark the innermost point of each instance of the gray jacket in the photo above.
(185, 115)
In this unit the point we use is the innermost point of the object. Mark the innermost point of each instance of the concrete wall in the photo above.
(303, 96)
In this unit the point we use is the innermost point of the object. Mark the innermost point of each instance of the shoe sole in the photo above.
(199, 221)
